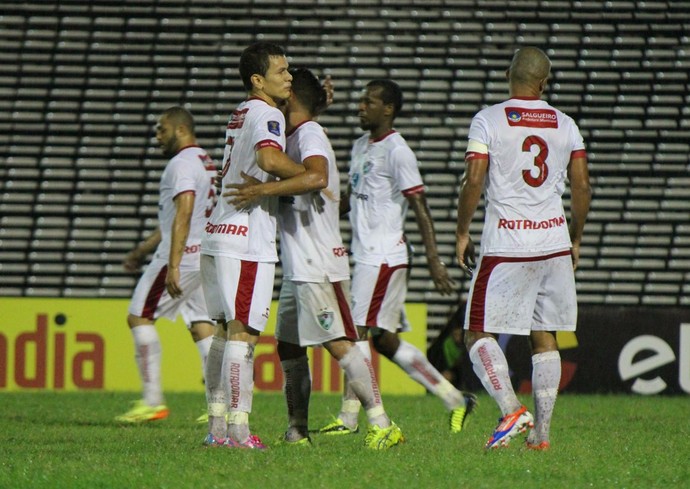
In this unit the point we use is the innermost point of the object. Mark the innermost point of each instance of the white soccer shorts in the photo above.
(151, 300)
(516, 295)
(378, 296)
(312, 313)
(238, 289)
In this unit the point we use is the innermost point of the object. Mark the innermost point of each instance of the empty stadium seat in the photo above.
(83, 84)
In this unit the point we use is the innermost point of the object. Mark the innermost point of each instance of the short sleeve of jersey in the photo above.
(578, 143)
(269, 129)
(405, 170)
(182, 178)
(479, 130)
(312, 142)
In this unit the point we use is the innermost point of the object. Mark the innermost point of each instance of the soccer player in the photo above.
(314, 306)
(171, 284)
(519, 154)
(384, 181)
(239, 245)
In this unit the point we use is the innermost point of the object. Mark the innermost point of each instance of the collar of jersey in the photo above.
(383, 136)
(525, 98)
(187, 147)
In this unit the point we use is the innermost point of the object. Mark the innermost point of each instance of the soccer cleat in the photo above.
(383, 438)
(212, 441)
(509, 426)
(458, 416)
(300, 442)
(141, 412)
(337, 427)
(252, 442)
(542, 447)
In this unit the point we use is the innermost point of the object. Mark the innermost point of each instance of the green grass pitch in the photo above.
(68, 440)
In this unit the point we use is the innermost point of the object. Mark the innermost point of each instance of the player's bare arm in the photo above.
(277, 163)
(314, 178)
(471, 188)
(439, 273)
(184, 207)
(580, 198)
(134, 259)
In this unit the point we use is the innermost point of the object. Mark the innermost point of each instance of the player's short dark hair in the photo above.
(255, 60)
(390, 93)
(308, 90)
(179, 116)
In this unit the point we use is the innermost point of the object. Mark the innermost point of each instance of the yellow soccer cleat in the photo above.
(142, 412)
(458, 416)
(383, 438)
(337, 427)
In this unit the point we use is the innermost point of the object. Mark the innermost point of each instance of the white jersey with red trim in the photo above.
(530, 145)
(382, 173)
(190, 170)
(247, 234)
(311, 247)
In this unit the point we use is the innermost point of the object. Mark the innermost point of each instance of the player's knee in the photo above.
(290, 351)
(385, 342)
(471, 337)
(134, 321)
(543, 341)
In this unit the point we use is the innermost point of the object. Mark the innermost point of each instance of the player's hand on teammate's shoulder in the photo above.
(218, 182)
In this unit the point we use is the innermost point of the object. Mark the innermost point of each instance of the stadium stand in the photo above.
(82, 84)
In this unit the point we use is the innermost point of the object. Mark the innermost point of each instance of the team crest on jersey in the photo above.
(274, 127)
(326, 319)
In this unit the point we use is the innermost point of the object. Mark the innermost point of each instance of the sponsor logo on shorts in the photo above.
(325, 319)
(531, 225)
(544, 118)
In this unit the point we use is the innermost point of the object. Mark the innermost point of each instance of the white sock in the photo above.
(238, 379)
(417, 366)
(349, 410)
(546, 375)
(204, 346)
(147, 349)
(491, 367)
(363, 382)
(216, 400)
(297, 389)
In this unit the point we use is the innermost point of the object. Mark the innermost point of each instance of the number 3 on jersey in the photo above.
(539, 161)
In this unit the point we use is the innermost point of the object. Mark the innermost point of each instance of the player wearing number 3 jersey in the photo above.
(520, 154)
